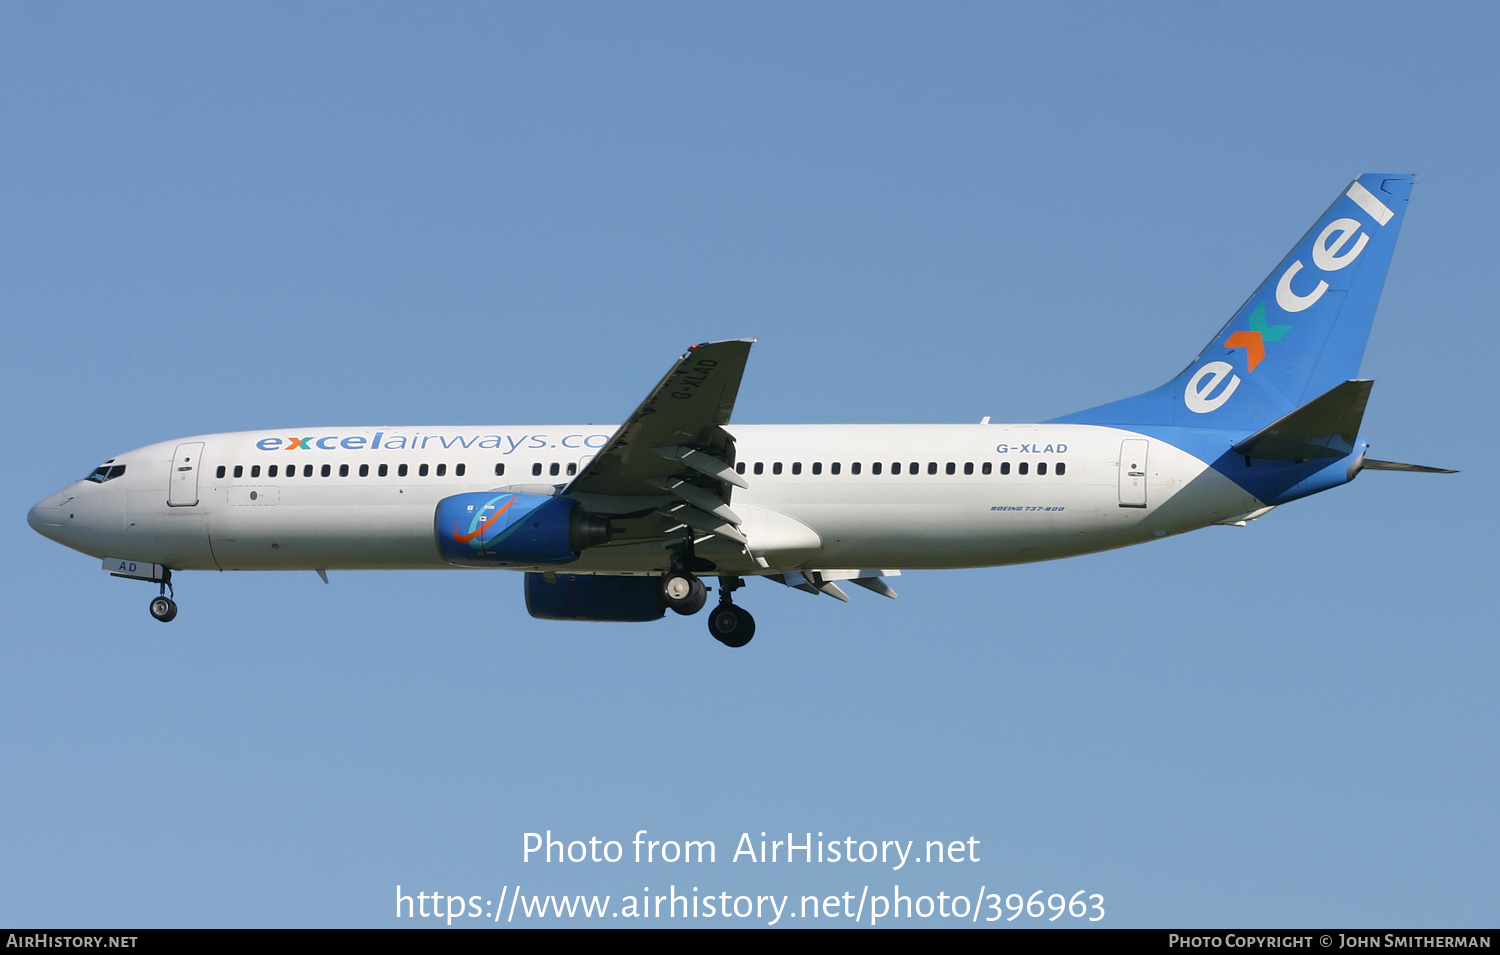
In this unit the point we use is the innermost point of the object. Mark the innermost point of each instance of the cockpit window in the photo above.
(106, 472)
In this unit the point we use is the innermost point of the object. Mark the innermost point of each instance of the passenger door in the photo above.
(1133, 472)
(182, 482)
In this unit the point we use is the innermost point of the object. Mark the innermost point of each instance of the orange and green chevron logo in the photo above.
(1254, 341)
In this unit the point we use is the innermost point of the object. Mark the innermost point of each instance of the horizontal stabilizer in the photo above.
(1240, 520)
(1375, 465)
(1325, 427)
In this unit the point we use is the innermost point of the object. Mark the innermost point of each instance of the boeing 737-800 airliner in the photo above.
(623, 523)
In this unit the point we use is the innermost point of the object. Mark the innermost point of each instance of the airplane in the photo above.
(624, 523)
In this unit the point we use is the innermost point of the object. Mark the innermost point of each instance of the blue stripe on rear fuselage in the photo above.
(1272, 482)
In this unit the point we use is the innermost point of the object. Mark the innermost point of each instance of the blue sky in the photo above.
(286, 215)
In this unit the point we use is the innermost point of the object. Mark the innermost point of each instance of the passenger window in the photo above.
(271, 471)
(385, 469)
(421, 470)
(239, 470)
(952, 468)
(536, 469)
(459, 469)
(895, 467)
(1005, 467)
(833, 468)
(572, 468)
(854, 468)
(1062, 468)
(364, 470)
(916, 468)
(817, 467)
(1041, 468)
(1022, 468)
(875, 468)
(760, 468)
(985, 467)
(500, 469)
(401, 471)
(739, 468)
(932, 467)
(776, 468)
(327, 470)
(255, 470)
(968, 467)
(796, 467)
(307, 470)
(554, 469)
(343, 470)
(101, 475)
(442, 470)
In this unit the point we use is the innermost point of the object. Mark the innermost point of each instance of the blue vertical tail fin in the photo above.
(1302, 333)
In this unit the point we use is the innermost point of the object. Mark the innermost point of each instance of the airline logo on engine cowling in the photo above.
(1335, 248)
(480, 523)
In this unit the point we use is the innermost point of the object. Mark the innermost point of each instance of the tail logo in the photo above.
(1336, 247)
(1254, 341)
(1197, 396)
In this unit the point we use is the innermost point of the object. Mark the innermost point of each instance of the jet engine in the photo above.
(514, 529)
(587, 597)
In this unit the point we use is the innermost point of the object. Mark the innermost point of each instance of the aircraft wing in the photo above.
(673, 453)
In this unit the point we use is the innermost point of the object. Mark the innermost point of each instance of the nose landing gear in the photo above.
(164, 608)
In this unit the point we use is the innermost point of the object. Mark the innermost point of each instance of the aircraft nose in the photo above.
(47, 518)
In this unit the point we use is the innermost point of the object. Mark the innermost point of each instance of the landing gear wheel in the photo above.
(163, 609)
(683, 592)
(732, 626)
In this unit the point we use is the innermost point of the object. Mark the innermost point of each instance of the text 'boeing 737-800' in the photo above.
(624, 523)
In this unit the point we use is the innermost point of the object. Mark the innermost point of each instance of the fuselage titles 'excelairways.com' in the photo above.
(624, 523)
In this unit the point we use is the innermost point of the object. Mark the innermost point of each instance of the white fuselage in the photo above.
(819, 496)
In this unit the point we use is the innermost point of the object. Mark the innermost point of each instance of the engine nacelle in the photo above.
(587, 597)
(514, 529)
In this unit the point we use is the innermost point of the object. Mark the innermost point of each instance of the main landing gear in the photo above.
(731, 625)
(164, 608)
(685, 593)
